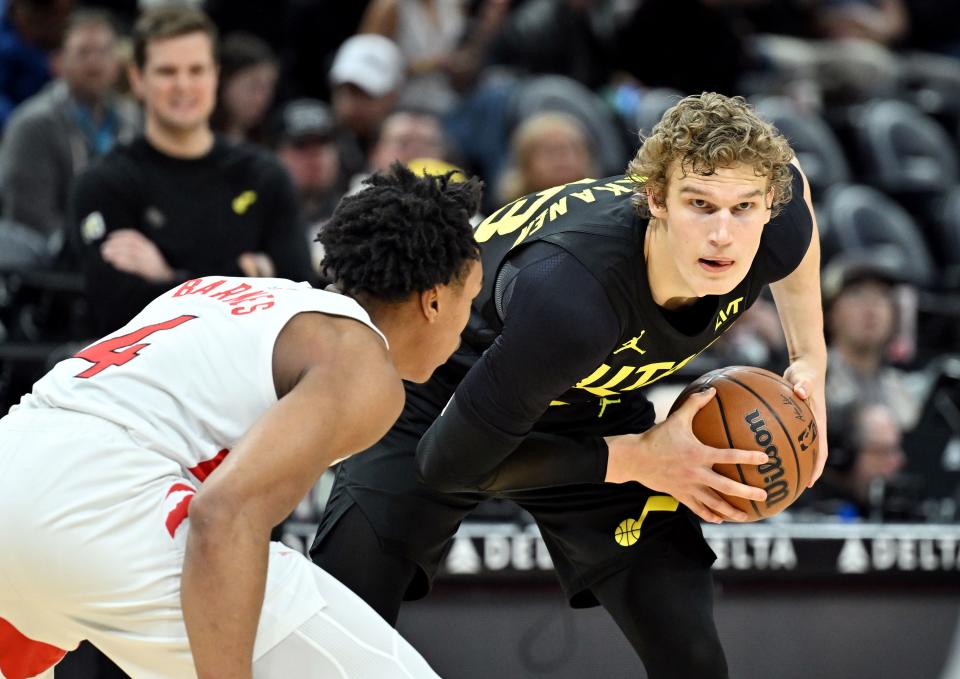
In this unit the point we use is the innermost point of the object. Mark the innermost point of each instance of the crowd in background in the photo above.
(101, 211)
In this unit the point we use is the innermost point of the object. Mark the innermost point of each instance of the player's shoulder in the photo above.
(608, 196)
(336, 344)
(796, 208)
(613, 186)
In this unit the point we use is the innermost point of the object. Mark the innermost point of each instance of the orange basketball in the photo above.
(755, 409)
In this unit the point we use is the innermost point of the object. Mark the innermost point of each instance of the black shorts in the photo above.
(590, 530)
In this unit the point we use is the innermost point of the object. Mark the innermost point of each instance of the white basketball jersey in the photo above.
(191, 372)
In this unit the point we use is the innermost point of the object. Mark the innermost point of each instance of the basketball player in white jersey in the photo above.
(140, 479)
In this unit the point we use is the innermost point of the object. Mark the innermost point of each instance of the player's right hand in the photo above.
(668, 458)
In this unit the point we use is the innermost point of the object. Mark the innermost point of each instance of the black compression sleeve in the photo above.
(538, 460)
(558, 327)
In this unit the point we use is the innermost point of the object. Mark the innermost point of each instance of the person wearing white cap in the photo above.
(366, 78)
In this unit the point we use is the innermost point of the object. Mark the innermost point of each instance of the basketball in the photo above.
(755, 409)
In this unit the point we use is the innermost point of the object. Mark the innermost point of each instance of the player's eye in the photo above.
(744, 206)
(699, 203)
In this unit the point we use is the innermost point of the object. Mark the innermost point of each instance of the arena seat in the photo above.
(945, 236)
(21, 247)
(559, 93)
(815, 144)
(857, 216)
(652, 105)
(904, 151)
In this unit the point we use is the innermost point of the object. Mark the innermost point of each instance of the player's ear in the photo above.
(768, 199)
(656, 202)
(430, 303)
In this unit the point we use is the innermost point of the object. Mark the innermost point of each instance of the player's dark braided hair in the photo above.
(403, 233)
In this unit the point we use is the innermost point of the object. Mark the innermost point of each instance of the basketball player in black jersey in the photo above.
(593, 291)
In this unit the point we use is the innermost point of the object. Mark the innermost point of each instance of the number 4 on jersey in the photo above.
(122, 349)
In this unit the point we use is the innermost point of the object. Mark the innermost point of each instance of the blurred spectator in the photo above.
(305, 141)
(864, 479)
(547, 149)
(366, 76)
(313, 30)
(248, 81)
(833, 52)
(882, 21)
(29, 31)
(934, 26)
(180, 202)
(53, 135)
(406, 134)
(861, 321)
(248, 16)
(574, 38)
(427, 33)
(662, 25)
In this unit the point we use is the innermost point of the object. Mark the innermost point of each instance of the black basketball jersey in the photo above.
(596, 222)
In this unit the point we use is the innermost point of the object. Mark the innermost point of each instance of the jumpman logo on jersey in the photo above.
(633, 344)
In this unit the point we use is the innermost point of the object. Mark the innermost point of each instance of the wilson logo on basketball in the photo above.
(776, 487)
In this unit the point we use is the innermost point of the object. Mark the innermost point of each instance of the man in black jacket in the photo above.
(180, 202)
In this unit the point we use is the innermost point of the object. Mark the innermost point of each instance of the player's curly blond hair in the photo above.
(705, 132)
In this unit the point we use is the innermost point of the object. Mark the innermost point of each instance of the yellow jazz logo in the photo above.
(628, 532)
(243, 202)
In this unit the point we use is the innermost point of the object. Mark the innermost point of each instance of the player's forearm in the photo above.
(547, 461)
(798, 300)
(224, 576)
(459, 453)
(803, 328)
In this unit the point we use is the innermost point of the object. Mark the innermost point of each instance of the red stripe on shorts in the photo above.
(205, 468)
(179, 514)
(180, 486)
(22, 657)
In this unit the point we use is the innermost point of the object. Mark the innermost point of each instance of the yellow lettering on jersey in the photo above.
(605, 389)
(733, 308)
(614, 188)
(509, 218)
(532, 227)
(558, 208)
(586, 196)
(654, 371)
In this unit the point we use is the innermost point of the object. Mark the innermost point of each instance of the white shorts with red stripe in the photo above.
(91, 547)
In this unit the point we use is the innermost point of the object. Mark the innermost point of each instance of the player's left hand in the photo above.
(808, 384)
